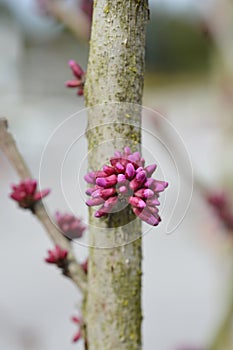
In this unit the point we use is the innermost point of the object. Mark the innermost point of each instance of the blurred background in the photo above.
(187, 275)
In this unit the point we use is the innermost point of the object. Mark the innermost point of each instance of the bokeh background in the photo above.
(188, 274)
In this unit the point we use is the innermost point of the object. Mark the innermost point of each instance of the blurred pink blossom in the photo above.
(57, 256)
(71, 226)
(26, 194)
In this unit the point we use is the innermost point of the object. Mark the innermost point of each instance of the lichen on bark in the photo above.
(113, 91)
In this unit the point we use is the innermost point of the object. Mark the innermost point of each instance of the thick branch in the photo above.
(224, 336)
(115, 74)
(9, 148)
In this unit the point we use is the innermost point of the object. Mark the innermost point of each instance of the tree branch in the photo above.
(224, 336)
(77, 23)
(115, 74)
(9, 148)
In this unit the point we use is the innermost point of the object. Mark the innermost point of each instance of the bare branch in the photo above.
(9, 148)
(7, 144)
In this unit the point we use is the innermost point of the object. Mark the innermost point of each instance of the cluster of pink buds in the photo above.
(57, 256)
(71, 226)
(79, 80)
(126, 181)
(223, 208)
(78, 334)
(26, 194)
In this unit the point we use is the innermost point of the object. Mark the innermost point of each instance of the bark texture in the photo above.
(113, 89)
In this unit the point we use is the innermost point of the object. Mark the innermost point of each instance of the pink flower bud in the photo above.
(117, 154)
(90, 190)
(130, 171)
(135, 158)
(127, 151)
(107, 207)
(94, 201)
(78, 321)
(111, 202)
(150, 169)
(160, 186)
(77, 336)
(76, 68)
(153, 202)
(141, 176)
(134, 185)
(100, 174)
(150, 183)
(146, 216)
(137, 155)
(104, 193)
(72, 83)
(113, 161)
(108, 170)
(30, 186)
(153, 210)
(139, 169)
(39, 195)
(90, 177)
(100, 213)
(119, 167)
(132, 158)
(121, 179)
(106, 182)
(142, 161)
(79, 80)
(123, 189)
(156, 185)
(138, 181)
(137, 202)
(144, 193)
(97, 193)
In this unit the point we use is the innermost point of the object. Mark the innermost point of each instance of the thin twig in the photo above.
(9, 148)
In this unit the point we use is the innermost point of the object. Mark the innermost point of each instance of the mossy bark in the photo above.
(113, 90)
(224, 337)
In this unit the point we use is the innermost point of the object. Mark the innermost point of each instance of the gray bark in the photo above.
(115, 75)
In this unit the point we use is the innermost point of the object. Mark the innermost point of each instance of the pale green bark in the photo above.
(112, 310)
(224, 337)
